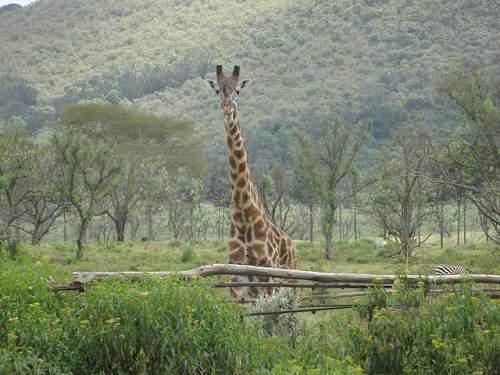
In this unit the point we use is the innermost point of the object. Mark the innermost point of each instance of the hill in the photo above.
(308, 60)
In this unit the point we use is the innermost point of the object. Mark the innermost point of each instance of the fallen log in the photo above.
(243, 270)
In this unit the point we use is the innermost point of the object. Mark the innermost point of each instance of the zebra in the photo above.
(380, 243)
(447, 270)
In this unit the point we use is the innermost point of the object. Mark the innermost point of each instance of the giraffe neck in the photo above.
(245, 200)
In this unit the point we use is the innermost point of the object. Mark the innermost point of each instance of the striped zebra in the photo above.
(447, 270)
(380, 243)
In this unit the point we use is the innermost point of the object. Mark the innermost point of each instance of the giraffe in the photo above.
(254, 239)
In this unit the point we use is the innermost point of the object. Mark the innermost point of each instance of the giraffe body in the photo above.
(254, 239)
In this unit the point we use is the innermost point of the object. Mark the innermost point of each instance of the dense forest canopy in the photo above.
(363, 81)
(308, 60)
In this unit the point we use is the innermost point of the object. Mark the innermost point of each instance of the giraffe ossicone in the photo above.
(254, 239)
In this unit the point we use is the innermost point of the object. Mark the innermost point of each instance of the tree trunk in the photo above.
(82, 233)
(65, 233)
(458, 221)
(441, 225)
(465, 229)
(120, 229)
(12, 247)
(311, 223)
(355, 224)
(79, 249)
(328, 245)
(329, 219)
(134, 229)
(36, 236)
(484, 226)
(407, 232)
(150, 224)
(341, 234)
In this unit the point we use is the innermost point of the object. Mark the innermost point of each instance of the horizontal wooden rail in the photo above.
(492, 293)
(238, 284)
(242, 270)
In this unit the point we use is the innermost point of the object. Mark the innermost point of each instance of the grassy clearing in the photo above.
(359, 257)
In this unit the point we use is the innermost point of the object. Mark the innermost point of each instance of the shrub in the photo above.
(149, 326)
(175, 243)
(187, 254)
(458, 335)
(278, 324)
(376, 298)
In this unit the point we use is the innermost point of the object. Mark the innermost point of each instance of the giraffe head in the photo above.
(228, 89)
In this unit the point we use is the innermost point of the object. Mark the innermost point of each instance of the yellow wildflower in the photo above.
(84, 322)
(113, 321)
(33, 305)
(14, 319)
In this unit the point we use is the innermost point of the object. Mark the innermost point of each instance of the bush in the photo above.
(375, 299)
(458, 335)
(278, 324)
(149, 326)
(187, 254)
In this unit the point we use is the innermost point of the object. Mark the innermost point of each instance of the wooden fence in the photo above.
(242, 270)
(318, 282)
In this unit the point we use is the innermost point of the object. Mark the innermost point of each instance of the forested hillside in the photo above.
(308, 60)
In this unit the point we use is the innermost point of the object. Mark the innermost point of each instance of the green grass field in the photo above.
(358, 257)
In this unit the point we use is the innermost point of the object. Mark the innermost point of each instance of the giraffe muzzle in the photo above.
(228, 109)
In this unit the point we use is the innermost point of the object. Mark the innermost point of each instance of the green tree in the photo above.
(17, 155)
(275, 193)
(184, 199)
(87, 175)
(140, 141)
(470, 161)
(333, 153)
(398, 200)
(218, 192)
(43, 203)
(304, 185)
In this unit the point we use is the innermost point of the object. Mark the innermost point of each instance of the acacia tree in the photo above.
(140, 141)
(470, 161)
(87, 170)
(43, 203)
(218, 191)
(184, 198)
(333, 154)
(398, 201)
(274, 191)
(304, 186)
(16, 158)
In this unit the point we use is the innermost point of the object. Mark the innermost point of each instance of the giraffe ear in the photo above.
(213, 84)
(243, 84)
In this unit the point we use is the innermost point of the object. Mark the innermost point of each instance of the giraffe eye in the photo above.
(237, 92)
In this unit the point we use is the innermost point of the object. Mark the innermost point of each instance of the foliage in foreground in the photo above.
(459, 334)
(176, 326)
(147, 327)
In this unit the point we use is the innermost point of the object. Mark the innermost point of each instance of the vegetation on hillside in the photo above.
(363, 60)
